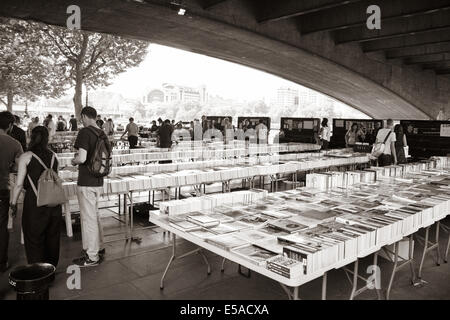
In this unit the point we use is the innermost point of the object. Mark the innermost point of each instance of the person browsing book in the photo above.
(89, 189)
(19, 134)
(262, 132)
(133, 130)
(41, 225)
(389, 155)
(73, 123)
(351, 137)
(400, 144)
(324, 134)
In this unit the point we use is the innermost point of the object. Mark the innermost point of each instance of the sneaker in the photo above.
(4, 267)
(85, 262)
(100, 253)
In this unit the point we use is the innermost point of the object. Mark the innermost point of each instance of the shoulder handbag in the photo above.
(378, 148)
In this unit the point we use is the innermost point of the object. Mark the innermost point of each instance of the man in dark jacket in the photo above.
(18, 134)
(165, 135)
(11, 151)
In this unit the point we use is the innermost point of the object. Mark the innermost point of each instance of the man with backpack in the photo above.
(94, 162)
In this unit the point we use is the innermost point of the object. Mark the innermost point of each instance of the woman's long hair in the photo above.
(398, 129)
(325, 122)
(38, 140)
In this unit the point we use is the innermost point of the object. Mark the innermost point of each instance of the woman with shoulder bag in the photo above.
(41, 225)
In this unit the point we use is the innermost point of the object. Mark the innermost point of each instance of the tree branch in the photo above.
(66, 45)
(97, 68)
(3, 101)
(94, 56)
(84, 45)
(67, 55)
(87, 70)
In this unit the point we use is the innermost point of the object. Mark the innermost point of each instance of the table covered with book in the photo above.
(150, 177)
(128, 179)
(298, 235)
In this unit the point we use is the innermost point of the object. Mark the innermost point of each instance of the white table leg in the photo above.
(68, 219)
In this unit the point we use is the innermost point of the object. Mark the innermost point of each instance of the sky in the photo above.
(226, 79)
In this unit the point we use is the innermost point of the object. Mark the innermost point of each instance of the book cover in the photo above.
(254, 221)
(254, 254)
(185, 225)
(226, 241)
(253, 236)
(202, 233)
(287, 225)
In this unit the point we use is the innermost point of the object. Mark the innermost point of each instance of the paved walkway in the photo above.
(133, 271)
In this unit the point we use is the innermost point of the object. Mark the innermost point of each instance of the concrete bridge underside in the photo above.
(401, 71)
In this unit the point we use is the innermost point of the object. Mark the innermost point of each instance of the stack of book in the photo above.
(319, 229)
(285, 266)
(209, 202)
(254, 254)
(313, 251)
(186, 226)
(202, 220)
(287, 225)
(226, 241)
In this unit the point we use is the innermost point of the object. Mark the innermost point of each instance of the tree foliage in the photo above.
(92, 59)
(27, 70)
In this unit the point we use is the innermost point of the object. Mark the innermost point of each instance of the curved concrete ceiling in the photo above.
(154, 21)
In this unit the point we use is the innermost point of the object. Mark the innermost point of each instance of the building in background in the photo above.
(287, 97)
(307, 96)
(169, 93)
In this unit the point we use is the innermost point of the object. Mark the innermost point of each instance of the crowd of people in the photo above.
(27, 155)
(168, 132)
(393, 138)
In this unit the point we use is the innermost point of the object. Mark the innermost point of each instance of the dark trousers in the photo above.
(4, 234)
(41, 230)
(324, 145)
(385, 160)
(133, 140)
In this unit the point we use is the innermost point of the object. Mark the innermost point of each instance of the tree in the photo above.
(260, 107)
(26, 68)
(92, 59)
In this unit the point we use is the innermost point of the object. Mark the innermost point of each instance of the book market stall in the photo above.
(126, 180)
(252, 122)
(296, 236)
(300, 130)
(367, 129)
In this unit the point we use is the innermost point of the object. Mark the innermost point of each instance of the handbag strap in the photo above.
(387, 136)
(42, 164)
(32, 185)
(40, 160)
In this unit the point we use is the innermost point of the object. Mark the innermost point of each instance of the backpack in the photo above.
(378, 148)
(100, 162)
(49, 191)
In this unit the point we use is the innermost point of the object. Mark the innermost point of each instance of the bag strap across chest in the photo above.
(387, 136)
(42, 164)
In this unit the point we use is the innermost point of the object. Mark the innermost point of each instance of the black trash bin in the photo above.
(31, 282)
